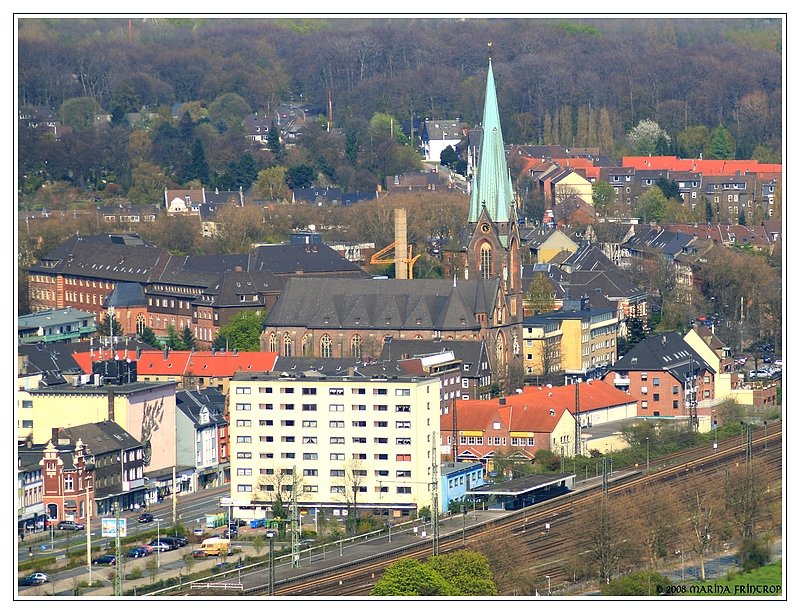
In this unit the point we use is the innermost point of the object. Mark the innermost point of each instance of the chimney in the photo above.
(54, 435)
(166, 353)
(501, 400)
(235, 352)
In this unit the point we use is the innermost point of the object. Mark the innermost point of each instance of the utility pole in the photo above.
(577, 419)
(174, 499)
(605, 476)
(88, 532)
(295, 527)
(117, 555)
(435, 493)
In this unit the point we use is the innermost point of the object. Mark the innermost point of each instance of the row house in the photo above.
(118, 461)
(474, 379)
(356, 443)
(476, 430)
(666, 376)
(187, 369)
(578, 342)
(56, 325)
(202, 436)
(141, 285)
(127, 215)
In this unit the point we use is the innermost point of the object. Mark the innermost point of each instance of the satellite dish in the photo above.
(312, 227)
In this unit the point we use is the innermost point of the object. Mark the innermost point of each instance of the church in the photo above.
(479, 298)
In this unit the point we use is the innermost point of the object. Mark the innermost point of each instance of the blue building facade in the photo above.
(457, 479)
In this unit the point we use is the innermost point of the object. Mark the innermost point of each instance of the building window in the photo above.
(287, 345)
(273, 342)
(306, 345)
(325, 346)
(486, 261)
(355, 347)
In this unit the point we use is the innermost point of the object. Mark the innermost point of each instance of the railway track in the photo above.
(546, 534)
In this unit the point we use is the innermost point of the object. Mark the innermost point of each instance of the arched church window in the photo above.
(486, 261)
(325, 346)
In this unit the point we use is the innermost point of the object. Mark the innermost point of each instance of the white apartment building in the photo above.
(338, 438)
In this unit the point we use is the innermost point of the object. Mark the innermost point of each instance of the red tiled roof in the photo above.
(707, 167)
(184, 362)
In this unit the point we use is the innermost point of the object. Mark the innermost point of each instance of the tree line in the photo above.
(577, 82)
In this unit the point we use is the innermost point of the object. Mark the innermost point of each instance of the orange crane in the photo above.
(403, 258)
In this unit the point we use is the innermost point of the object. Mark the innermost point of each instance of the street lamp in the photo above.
(765, 435)
(271, 539)
(463, 524)
(714, 426)
(647, 440)
(158, 541)
(548, 585)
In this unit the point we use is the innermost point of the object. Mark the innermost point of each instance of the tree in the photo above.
(692, 141)
(271, 184)
(701, 509)
(539, 297)
(109, 327)
(448, 156)
(669, 188)
(149, 337)
(79, 113)
(608, 538)
(242, 332)
(637, 584)
(147, 184)
(187, 339)
(274, 141)
(720, 145)
(467, 571)
(410, 577)
(152, 569)
(173, 340)
(603, 197)
(198, 169)
(258, 544)
(301, 176)
(644, 138)
(355, 476)
(228, 111)
(652, 205)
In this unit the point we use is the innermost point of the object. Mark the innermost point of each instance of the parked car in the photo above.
(230, 532)
(162, 546)
(198, 531)
(106, 559)
(70, 525)
(138, 552)
(145, 518)
(760, 373)
(198, 554)
(778, 362)
(35, 579)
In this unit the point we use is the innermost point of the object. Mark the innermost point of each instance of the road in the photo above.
(190, 509)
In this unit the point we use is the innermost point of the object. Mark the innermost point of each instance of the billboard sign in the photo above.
(109, 527)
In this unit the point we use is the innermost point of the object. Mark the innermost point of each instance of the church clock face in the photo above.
(485, 227)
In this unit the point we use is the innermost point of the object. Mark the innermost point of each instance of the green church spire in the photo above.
(491, 185)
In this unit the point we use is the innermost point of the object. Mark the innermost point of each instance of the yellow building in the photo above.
(146, 410)
(543, 244)
(333, 436)
(578, 342)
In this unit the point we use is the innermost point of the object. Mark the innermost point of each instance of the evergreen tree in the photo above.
(721, 145)
(274, 142)
(173, 341)
(198, 169)
(709, 210)
(149, 337)
(351, 147)
(187, 339)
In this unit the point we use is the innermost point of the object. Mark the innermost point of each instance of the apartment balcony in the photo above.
(622, 380)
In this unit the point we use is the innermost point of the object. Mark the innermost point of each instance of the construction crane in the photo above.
(403, 257)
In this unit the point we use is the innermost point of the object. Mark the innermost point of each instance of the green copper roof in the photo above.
(491, 186)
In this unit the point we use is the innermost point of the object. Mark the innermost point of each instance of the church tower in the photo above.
(490, 245)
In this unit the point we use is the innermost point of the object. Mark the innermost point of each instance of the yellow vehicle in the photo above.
(215, 546)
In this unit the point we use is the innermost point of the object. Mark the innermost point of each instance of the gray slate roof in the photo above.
(287, 259)
(102, 437)
(470, 353)
(191, 403)
(396, 304)
(666, 352)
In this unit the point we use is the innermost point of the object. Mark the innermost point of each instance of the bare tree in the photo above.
(609, 543)
(351, 483)
(698, 532)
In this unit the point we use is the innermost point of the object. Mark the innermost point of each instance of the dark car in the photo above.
(138, 552)
(70, 525)
(106, 559)
(176, 542)
(198, 554)
(230, 532)
(146, 518)
(35, 579)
